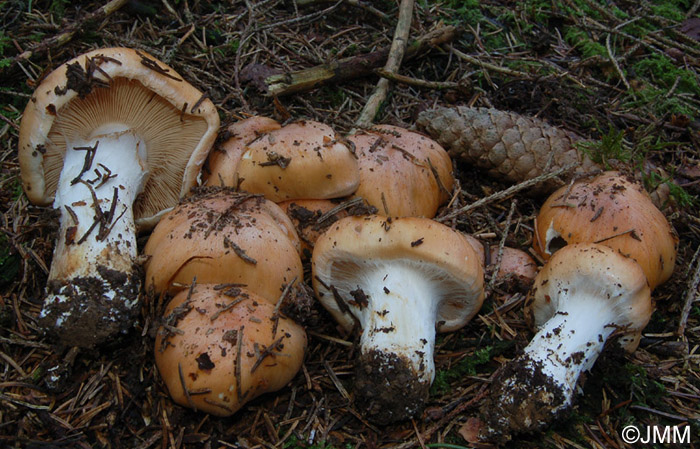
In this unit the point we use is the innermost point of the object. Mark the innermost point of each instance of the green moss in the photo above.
(608, 147)
(658, 102)
(58, 8)
(465, 367)
(335, 96)
(37, 36)
(678, 194)
(645, 391)
(672, 10)
(664, 73)
(5, 42)
(466, 11)
(585, 43)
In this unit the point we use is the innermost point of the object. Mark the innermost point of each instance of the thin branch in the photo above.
(353, 67)
(398, 47)
(54, 42)
(416, 82)
(489, 66)
(499, 257)
(691, 295)
(615, 64)
(508, 192)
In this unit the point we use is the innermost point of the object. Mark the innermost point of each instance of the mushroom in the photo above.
(223, 160)
(402, 173)
(220, 347)
(516, 265)
(312, 217)
(301, 160)
(220, 236)
(585, 295)
(112, 138)
(614, 210)
(398, 280)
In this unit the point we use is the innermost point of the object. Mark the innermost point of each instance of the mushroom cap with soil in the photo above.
(113, 138)
(219, 236)
(398, 280)
(586, 295)
(221, 346)
(614, 210)
(402, 173)
(304, 159)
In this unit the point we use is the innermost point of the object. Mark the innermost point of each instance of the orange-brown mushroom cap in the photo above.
(357, 244)
(223, 347)
(220, 236)
(402, 173)
(312, 217)
(222, 164)
(304, 159)
(614, 210)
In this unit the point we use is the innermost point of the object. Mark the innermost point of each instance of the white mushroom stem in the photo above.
(96, 251)
(400, 317)
(396, 305)
(571, 340)
(538, 386)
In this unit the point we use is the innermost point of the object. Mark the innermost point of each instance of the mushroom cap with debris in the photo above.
(614, 210)
(220, 347)
(402, 173)
(176, 121)
(220, 236)
(305, 159)
(222, 165)
(355, 245)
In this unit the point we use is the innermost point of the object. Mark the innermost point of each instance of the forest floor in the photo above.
(623, 74)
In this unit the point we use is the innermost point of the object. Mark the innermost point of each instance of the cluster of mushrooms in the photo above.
(117, 141)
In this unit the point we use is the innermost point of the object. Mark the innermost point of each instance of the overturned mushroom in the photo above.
(583, 296)
(219, 348)
(220, 236)
(113, 138)
(614, 210)
(398, 280)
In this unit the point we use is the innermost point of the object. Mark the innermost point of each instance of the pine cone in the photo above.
(508, 146)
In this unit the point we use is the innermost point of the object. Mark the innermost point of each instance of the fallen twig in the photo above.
(352, 67)
(436, 85)
(497, 262)
(56, 41)
(507, 192)
(398, 47)
(691, 293)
